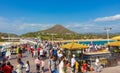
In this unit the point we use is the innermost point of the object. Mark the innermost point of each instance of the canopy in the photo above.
(116, 38)
(117, 43)
(73, 46)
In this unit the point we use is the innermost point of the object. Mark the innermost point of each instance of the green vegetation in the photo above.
(59, 32)
(69, 36)
(6, 35)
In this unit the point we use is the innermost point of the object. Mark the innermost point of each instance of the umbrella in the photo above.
(116, 38)
(117, 43)
(73, 46)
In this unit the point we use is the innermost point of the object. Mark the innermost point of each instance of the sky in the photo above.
(81, 16)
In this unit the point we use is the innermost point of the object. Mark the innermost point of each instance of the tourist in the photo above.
(97, 62)
(6, 68)
(42, 62)
(21, 62)
(84, 67)
(37, 63)
(52, 65)
(19, 67)
(13, 71)
(32, 51)
(59, 55)
(61, 65)
(41, 53)
(9, 64)
(0, 67)
(27, 66)
(76, 66)
(28, 50)
(19, 52)
(8, 54)
(73, 60)
(69, 69)
(55, 52)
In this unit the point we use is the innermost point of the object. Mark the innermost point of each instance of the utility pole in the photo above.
(107, 30)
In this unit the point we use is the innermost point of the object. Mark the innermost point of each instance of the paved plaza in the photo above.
(28, 57)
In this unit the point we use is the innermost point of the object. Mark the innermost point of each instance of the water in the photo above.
(0, 46)
(100, 42)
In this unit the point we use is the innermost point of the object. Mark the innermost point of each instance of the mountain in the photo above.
(58, 29)
(6, 35)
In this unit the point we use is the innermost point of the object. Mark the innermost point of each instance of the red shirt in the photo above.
(28, 48)
(32, 50)
(85, 66)
(39, 49)
(7, 69)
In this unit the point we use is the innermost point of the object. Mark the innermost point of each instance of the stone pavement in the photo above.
(28, 57)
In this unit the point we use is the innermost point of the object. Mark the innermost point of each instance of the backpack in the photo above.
(54, 64)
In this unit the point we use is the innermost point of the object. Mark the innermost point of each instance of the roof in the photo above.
(93, 53)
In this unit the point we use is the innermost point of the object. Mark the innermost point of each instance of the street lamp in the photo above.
(8, 37)
(108, 29)
(52, 38)
(39, 36)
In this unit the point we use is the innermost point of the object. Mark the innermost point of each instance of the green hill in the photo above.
(58, 29)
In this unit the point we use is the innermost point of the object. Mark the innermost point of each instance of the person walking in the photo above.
(37, 62)
(41, 53)
(61, 65)
(27, 66)
(52, 65)
(42, 62)
(97, 61)
(73, 60)
(19, 67)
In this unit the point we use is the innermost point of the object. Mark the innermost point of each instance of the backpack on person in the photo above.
(55, 71)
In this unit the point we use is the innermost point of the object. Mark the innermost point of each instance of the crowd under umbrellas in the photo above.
(41, 51)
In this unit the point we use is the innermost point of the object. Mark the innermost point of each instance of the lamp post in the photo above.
(8, 37)
(39, 36)
(52, 38)
(53, 34)
(107, 30)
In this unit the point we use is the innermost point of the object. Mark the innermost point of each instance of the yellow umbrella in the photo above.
(116, 38)
(117, 43)
(73, 46)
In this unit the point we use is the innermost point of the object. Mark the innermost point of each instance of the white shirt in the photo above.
(27, 67)
(41, 52)
(61, 67)
(96, 61)
(73, 62)
(60, 55)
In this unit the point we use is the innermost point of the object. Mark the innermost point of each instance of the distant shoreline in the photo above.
(82, 40)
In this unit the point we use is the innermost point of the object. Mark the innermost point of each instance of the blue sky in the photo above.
(82, 16)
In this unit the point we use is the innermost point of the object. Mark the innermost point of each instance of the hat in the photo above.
(73, 55)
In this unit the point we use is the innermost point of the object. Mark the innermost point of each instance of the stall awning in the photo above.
(73, 46)
(117, 38)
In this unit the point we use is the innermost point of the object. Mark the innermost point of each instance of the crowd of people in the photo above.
(51, 52)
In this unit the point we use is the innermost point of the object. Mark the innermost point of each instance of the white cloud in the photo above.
(18, 26)
(33, 26)
(109, 18)
(91, 27)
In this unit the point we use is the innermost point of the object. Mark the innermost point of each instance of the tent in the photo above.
(73, 46)
(117, 38)
(117, 43)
